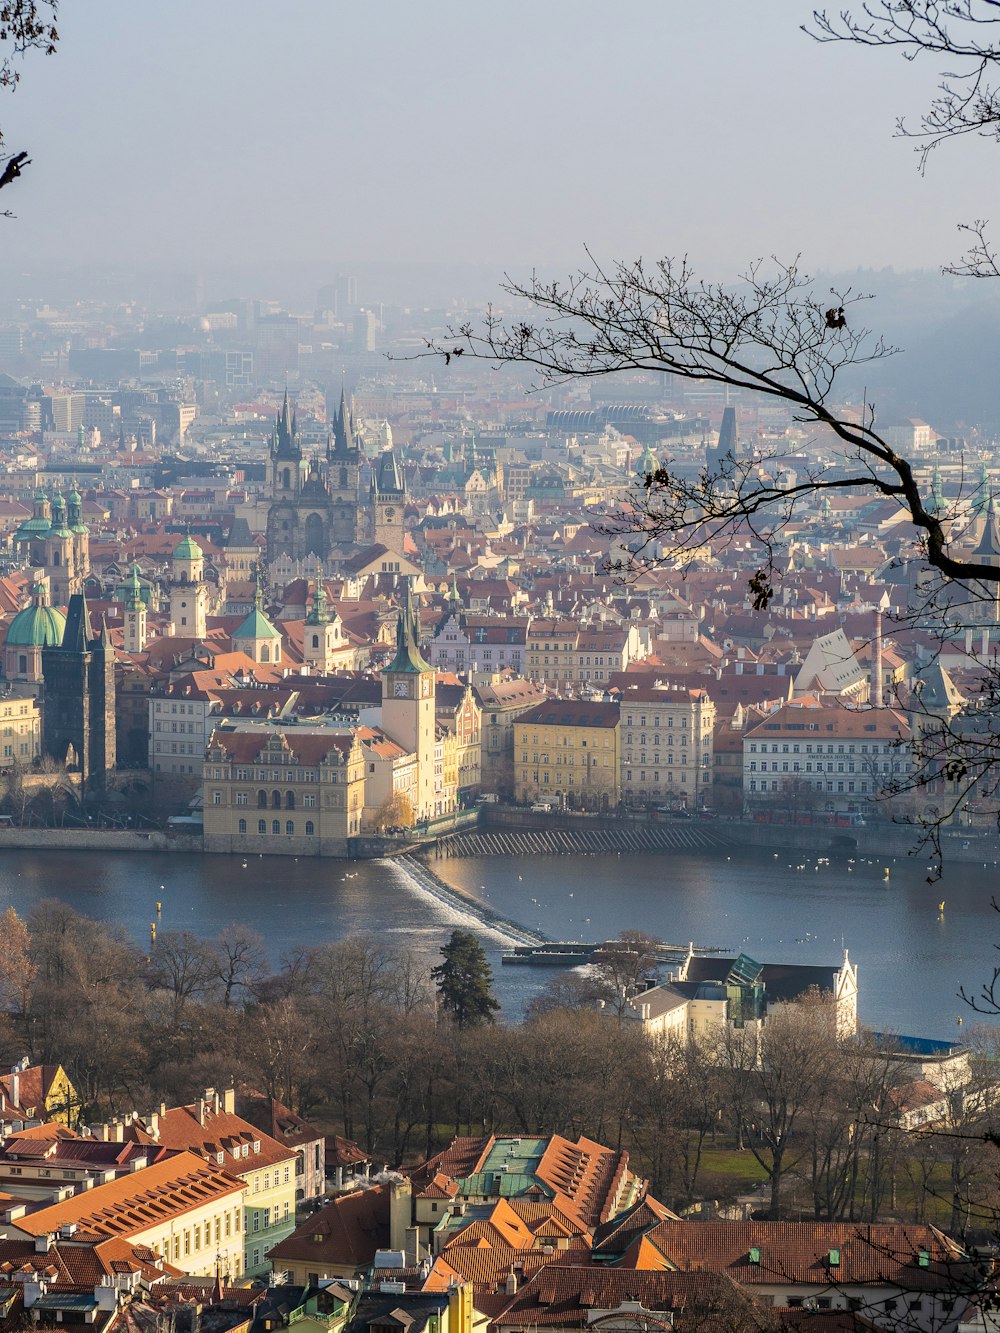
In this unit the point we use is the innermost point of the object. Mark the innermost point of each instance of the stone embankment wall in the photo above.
(96, 840)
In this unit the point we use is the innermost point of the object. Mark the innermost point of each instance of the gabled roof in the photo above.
(346, 1233)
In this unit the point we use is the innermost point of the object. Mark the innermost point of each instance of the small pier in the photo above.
(682, 836)
(573, 953)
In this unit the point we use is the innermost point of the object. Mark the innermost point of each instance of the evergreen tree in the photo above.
(464, 981)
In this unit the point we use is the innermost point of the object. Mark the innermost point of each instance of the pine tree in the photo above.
(464, 981)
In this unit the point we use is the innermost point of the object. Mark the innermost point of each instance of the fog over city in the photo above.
(234, 133)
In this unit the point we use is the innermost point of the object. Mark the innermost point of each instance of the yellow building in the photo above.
(189, 1211)
(566, 752)
(39, 1092)
(284, 789)
(210, 1128)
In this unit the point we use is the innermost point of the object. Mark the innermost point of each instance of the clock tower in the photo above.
(408, 703)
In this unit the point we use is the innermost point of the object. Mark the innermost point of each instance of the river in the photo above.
(785, 908)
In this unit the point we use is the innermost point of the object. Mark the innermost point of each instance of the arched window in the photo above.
(309, 828)
(315, 643)
(343, 478)
(22, 663)
(276, 826)
(243, 826)
(261, 825)
(290, 827)
(286, 478)
(289, 800)
(55, 558)
(276, 800)
(265, 653)
(262, 800)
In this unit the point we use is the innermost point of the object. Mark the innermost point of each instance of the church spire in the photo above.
(343, 428)
(284, 441)
(408, 656)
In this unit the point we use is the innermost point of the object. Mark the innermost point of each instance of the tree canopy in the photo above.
(464, 981)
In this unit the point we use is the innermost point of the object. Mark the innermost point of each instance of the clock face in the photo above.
(401, 690)
(390, 513)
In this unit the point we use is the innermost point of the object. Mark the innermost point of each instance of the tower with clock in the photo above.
(388, 499)
(408, 703)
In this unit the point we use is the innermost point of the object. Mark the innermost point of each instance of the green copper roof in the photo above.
(188, 549)
(256, 626)
(408, 656)
(36, 627)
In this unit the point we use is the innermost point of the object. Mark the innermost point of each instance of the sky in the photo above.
(196, 133)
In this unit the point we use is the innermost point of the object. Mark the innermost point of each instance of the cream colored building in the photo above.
(189, 1211)
(20, 727)
(281, 788)
(667, 746)
(211, 1128)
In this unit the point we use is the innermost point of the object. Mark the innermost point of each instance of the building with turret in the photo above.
(388, 499)
(38, 626)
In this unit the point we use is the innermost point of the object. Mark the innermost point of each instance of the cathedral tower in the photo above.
(188, 594)
(343, 460)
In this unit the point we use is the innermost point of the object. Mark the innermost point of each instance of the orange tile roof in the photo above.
(217, 1132)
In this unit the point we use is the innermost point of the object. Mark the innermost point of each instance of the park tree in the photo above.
(17, 969)
(395, 812)
(464, 981)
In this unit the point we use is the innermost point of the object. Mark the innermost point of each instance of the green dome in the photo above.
(188, 550)
(36, 627)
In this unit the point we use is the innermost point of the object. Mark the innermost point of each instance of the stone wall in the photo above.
(97, 840)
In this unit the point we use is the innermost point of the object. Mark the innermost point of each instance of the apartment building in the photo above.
(843, 754)
(566, 752)
(667, 746)
(564, 652)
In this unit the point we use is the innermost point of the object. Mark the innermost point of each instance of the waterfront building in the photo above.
(838, 754)
(567, 752)
(409, 709)
(709, 994)
(667, 746)
(501, 702)
(283, 788)
(78, 726)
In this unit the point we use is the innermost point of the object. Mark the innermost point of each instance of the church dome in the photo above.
(36, 627)
(188, 550)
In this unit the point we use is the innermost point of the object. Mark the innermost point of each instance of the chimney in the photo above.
(510, 1285)
(400, 1210)
(15, 1087)
(229, 1101)
(199, 1110)
(153, 1124)
(876, 685)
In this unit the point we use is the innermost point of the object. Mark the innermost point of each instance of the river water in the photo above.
(784, 908)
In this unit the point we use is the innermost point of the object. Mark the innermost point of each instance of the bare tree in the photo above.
(25, 25)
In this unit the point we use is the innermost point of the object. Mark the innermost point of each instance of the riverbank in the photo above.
(97, 840)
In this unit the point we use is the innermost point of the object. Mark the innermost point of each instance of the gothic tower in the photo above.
(343, 461)
(78, 724)
(388, 497)
(135, 614)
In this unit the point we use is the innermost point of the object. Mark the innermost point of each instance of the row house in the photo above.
(563, 652)
(465, 643)
(283, 788)
(667, 746)
(840, 753)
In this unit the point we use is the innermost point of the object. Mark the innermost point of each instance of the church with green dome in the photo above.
(57, 540)
(36, 627)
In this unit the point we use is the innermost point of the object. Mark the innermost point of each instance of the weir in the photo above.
(423, 880)
(629, 838)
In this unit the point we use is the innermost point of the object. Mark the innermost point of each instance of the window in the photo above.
(290, 826)
(243, 826)
(289, 800)
(261, 825)
(276, 826)
(309, 828)
(216, 797)
(241, 798)
(262, 800)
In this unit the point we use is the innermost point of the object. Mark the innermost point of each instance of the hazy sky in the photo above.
(198, 132)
